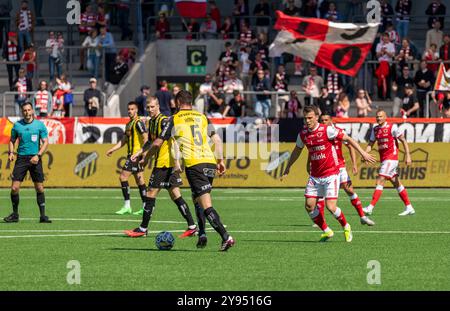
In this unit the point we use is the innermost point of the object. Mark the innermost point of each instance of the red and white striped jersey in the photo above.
(386, 136)
(322, 151)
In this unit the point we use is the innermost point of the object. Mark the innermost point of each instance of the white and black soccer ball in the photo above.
(164, 240)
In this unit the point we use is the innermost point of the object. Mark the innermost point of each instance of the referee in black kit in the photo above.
(33, 142)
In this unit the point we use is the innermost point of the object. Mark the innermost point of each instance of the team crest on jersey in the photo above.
(86, 164)
(385, 131)
(277, 164)
(320, 134)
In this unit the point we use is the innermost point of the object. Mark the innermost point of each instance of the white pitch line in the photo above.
(106, 220)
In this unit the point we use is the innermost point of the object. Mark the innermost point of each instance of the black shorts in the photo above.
(200, 178)
(133, 167)
(164, 178)
(23, 165)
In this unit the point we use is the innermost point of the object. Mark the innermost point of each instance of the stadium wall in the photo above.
(251, 165)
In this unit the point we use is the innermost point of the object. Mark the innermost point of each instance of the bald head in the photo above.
(381, 116)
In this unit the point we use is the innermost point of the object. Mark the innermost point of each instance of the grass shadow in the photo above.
(280, 241)
(149, 250)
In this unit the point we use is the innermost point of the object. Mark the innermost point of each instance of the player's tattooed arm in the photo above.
(402, 139)
(292, 159)
(365, 155)
(119, 145)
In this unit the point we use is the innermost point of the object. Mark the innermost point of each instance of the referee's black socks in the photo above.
(40, 198)
(15, 203)
(215, 222)
(149, 205)
(185, 212)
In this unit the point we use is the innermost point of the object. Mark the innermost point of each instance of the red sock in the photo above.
(318, 219)
(376, 195)
(340, 217)
(321, 206)
(403, 195)
(356, 202)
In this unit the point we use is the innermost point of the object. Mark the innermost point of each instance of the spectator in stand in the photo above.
(343, 106)
(162, 27)
(432, 55)
(263, 102)
(38, 12)
(227, 29)
(22, 85)
(203, 97)
(240, 9)
(393, 34)
(353, 8)
(208, 29)
(232, 84)
(93, 52)
(164, 98)
(436, 8)
(42, 100)
(386, 14)
(280, 84)
(193, 28)
(326, 102)
(291, 9)
(332, 14)
(215, 13)
(403, 12)
(444, 51)
(334, 83)
(245, 64)
(405, 54)
(119, 70)
(363, 103)
(61, 102)
(103, 18)
(88, 22)
(106, 42)
(410, 104)
(222, 74)
(141, 100)
(312, 84)
(262, 10)
(385, 52)
(445, 110)
(398, 86)
(435, 36)
(236, 106)
(55, 50)
(262, 46)
(11, 53)
(293, 107)
(258, 64)
(5, 14)
(309, 9)
(322, 8)
(123, 7)
(92, 98)
(216, 105)
(29, 58)
(424, 81)
(246, 36)
(228, 57)
(173, 105)
(25, 24)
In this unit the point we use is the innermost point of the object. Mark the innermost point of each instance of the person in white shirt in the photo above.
(55, 49)
(93, 52)
(231, 85)
(385, 49)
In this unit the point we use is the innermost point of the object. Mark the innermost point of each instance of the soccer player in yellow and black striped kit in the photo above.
(135, 137)
(163, 175)
(190, 130)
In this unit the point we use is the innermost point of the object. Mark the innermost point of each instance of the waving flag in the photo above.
(336, 46)
(442, 79)
(191, 8)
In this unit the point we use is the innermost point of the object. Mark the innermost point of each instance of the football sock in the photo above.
(321, 206)
(376, 195)
(318, 219)
(185, 212)
(15, 203)
(201, 219)
(403, 195)
(142, 192)
(215, 222)
(149, 205)
(40, 198)
(340, 217)
(356, 202)
(125, 190)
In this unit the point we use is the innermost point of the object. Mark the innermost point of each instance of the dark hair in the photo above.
(309, 109)
(133, 103)
(26, 104)
(145, 87)
(380, 110)
(325, 113)
(183, 97)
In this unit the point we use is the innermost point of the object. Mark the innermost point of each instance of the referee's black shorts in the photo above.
(200, 178)
(23, 165)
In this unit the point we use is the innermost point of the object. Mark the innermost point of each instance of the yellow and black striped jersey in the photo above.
(191, 130)
(163, 158)
(134, 130)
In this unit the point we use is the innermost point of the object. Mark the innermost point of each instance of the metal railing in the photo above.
(393, 18)
(78, 99)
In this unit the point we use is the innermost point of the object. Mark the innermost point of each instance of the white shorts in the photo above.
(389, 169)
(343, 176)
(322, 187)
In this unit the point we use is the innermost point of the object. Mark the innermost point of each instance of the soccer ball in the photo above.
(164, 240)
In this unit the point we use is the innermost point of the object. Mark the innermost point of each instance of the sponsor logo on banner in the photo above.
(277, 164)
(100, 130)
(6, 167)
(56, 131)
(86, 164)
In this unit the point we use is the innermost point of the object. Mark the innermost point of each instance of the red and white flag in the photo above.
(191, 8)
(336, 46)
(442, 79)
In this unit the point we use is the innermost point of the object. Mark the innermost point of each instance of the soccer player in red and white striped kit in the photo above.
(387, 137)
(324, 176)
